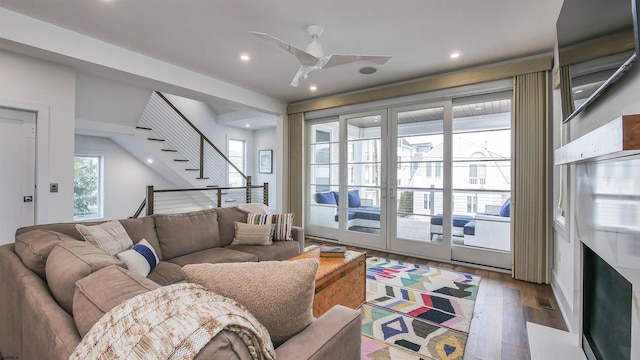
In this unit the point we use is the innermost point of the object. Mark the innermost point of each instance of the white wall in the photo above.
(125, 177)
(620, 247)
(32, 84)
(266, 140)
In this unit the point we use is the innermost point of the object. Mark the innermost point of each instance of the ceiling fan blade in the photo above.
(336, 60)
(303, 72)
(304, 57)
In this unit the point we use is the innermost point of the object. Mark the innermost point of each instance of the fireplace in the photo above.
(607, 298)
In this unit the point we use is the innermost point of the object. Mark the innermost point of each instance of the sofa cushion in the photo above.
(354, 198)
(186, 233)
(226, 222)
(143, 228)
(282, 224)
(278, 293)
(250, 234)
(140, 259)
(214, 256)
(327, 198)
(33, 247)
(505, 210)
(101, 291)
(71, 261)
(109, 236)
(279, 250)
(166, 273)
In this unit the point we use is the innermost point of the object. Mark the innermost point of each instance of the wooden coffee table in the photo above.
(339, 280)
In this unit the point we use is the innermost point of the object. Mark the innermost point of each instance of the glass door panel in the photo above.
(362, 199)
(418, 178)
(324, 178)
(481, 180)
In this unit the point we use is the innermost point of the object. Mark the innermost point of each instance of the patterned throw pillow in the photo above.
(140, 259)
(109, 236)
(282, 224)
(250, 234)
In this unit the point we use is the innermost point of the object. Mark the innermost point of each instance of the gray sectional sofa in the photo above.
(54, 286)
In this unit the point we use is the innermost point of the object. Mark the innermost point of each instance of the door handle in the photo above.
(27, 198)
(392, 192)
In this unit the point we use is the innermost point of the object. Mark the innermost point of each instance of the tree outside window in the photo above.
(87, 187)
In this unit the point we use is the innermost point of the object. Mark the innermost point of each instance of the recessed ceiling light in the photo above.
(313, 88)
(579, 91)
(367, 70)
(244, 57)
(479, 108)
(247, 125)
(150, 160)
(454, 55)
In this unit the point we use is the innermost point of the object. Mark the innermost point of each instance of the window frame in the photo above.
(99, 190)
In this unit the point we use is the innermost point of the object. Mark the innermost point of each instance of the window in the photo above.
(237, 157)
(428, 166)
(323, 136)
(472, 204)
(426, 202)
(87, 187)
(438, 170)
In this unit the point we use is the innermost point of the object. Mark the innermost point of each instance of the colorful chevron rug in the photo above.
(415, 311)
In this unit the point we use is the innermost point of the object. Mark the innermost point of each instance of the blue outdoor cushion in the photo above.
(505, 211)
(458, 220)
(354, 198)
(470, 228)
(326, 198)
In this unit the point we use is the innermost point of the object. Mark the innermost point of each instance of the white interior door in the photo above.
(17, 164)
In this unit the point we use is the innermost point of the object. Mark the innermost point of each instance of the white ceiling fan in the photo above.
(313, 58)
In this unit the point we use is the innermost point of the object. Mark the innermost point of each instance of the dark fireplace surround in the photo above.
(606, 314)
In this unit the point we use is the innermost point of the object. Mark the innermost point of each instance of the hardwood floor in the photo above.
(502, 309)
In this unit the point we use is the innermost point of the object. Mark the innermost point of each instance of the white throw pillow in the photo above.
(140, 259)
(248, 234)
(109, 236)
(254, 208)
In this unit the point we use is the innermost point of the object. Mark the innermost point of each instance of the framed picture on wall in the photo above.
(266, 161)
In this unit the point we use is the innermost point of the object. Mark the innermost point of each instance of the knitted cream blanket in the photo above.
(172, 322)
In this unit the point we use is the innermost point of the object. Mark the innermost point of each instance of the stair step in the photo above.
(170, 150)
(183, 160)
(202, 178)
(155, 139)
(143, 128)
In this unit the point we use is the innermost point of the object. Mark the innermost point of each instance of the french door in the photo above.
(416, 179)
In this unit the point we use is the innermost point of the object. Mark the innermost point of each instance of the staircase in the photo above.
(186, 157)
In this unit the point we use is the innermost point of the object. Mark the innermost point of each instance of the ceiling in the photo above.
(208, 36)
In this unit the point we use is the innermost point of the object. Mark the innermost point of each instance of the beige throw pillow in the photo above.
(109, 236)
(278, 293)
(248, 234)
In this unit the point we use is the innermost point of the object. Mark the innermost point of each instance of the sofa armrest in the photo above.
(297, 233)
(337, 334)
(48, 332)
(11, 301)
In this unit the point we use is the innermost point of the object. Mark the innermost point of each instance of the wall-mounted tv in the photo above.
(598, 41)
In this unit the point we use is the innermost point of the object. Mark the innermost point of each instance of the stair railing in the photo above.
(203, 140)
(180, 200)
